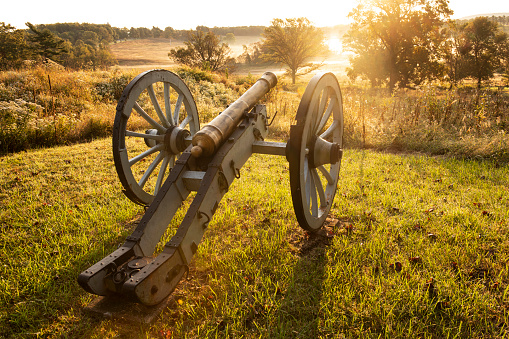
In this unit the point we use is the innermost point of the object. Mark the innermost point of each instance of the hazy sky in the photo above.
(187, 14)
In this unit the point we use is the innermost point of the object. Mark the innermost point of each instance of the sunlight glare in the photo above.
(335, 44)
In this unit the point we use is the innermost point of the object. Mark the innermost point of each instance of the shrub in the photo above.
(111, 88)
(194, 74)
(18, 121)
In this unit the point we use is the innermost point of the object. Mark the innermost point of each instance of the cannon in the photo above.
(160, 166)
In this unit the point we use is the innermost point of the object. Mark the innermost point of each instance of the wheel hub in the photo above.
(175, 139)
(323, 152)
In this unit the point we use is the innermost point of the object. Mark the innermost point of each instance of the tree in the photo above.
(484, 48)
(293, 43)
(253, 54)
(156, 32)
(203, 50)
(13, 47)
(168, 33)
(372, 63)
(46, 44)
(404, 33)
(90, 38)
(230, 38)
(454, 60)
(134, 33)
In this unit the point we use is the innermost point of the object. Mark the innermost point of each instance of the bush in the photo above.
(194, 74)
(43, 107)
(19, 125)
(112, 87)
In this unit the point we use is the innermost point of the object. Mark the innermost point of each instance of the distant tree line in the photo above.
(104, 33)
(77, 46)
(84, 45)
(237, 31)
(502, 20)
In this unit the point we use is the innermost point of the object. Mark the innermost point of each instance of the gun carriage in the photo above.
(185, 159)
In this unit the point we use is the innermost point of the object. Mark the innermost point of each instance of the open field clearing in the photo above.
(415, 246)
(154, 52)
(145, 54)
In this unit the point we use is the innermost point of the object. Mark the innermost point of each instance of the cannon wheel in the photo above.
(319, 117)
(155, 113)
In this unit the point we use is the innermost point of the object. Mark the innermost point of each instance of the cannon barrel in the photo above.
(207, 140)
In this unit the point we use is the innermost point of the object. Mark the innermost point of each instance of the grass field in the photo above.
(415, 247)
(144, 52)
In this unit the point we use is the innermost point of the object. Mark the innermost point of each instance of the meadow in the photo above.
(416, 244)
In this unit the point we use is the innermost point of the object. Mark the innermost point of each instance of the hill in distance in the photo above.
(488, 15)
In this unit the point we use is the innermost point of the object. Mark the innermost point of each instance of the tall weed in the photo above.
(43, 107)
(466, 123)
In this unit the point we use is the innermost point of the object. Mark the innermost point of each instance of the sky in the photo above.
(187, 14)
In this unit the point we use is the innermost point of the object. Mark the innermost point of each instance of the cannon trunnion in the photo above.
(185, 159)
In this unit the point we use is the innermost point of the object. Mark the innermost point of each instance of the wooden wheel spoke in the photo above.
(319, 188)
(155, 137)
(150, 169)
(326, 115)
(328, 133)
(178, 105)
(148, 152)
(148, 118)
(314, 198)
(160, 176)
(320, 110)
(167, 103)
(186, 121)
(307, 189)
(326, 174)
(157, 107)
(306, 168)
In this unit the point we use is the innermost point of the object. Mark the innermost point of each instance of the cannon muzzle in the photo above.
(207, 140)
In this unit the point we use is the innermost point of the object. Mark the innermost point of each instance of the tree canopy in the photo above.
(293, 43)
(86, 47)
(46, 43)
(398, 41)
(13, 46)
(483, 48)
(203, 50)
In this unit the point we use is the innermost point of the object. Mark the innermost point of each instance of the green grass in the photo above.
(415, 246)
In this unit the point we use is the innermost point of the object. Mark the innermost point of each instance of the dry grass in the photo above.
(81, 106)
(144, 53)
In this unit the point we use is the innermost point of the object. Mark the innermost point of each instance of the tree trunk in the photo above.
(393, 73)
(392, 80)
(294, 72)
